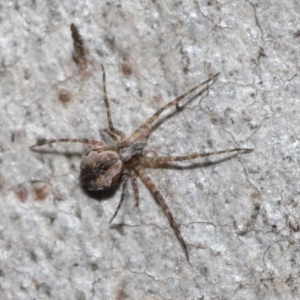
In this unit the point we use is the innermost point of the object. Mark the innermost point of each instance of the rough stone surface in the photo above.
(239, 218)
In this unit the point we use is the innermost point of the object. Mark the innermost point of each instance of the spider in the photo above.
(104, 165)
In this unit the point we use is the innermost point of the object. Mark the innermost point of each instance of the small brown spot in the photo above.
(122, 295)
(21, 192)
(64, 96)
(41, 190)
(126, 68)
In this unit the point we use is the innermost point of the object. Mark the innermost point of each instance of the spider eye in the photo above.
(99, 171)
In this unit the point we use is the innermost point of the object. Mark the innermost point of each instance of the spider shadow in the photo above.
(104, 194)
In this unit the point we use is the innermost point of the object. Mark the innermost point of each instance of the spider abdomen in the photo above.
(100, 170)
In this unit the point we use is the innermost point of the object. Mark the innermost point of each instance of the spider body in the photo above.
(104, 165)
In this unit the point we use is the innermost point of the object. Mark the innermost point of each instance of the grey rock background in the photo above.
(240, 218)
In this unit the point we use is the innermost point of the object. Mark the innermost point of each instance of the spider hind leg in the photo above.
(161, 202)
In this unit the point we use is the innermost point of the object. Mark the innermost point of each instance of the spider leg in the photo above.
(111, 134)
(79, 52)
(154, 162)
(135, 189)
(108, 113)
(124, 184)
(143, 131)
(52, 141)
(161, 202)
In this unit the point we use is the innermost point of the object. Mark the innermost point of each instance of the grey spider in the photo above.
(104, 165)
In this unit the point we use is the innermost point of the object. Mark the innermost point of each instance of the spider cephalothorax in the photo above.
(103, 165)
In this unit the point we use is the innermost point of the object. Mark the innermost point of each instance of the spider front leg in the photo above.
(111, 134)
(161, 202)
(108, 113)
(155, 162)
(79, 52)
(143, 131)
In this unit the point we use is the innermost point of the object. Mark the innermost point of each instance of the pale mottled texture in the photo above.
(239, 218)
